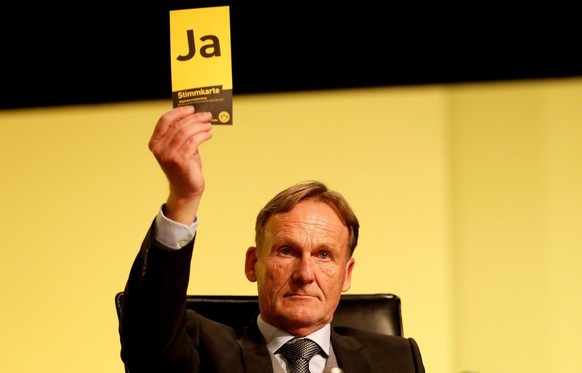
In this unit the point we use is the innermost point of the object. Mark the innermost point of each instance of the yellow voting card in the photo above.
(201, 61)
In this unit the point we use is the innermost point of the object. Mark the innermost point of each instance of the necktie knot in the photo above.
(298, 352)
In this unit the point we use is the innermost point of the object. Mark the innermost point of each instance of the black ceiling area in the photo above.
(103, 52)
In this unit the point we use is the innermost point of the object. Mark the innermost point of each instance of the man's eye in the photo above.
(324, 255)
(285, 250)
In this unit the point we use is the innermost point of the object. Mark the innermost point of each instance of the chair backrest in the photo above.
(374, 312)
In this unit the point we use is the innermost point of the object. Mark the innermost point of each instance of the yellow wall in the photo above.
(517, 187)
(469, 199)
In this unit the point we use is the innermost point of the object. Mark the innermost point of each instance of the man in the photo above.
(302, 262)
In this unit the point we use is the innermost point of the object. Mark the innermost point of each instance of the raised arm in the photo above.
(174, 143)
(153, 321)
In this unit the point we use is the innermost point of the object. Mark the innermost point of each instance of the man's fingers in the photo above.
(186, 140)
(190, 146)
(187, 127)
(175, 133)
(182, 140)
(168, 121)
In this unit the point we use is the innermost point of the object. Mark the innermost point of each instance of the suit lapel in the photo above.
(348, 353)
(255, 354)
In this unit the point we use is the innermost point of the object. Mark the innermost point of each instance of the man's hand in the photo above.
(175, 142)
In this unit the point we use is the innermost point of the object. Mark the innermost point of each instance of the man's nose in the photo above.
(304, 268)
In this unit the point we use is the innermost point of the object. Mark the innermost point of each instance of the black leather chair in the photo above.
(375, 312)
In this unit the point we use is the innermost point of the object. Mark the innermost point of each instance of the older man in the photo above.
(302, 262)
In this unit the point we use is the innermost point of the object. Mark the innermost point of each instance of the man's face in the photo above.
(302, 267)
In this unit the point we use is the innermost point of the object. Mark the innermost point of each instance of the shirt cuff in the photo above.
(172, 234)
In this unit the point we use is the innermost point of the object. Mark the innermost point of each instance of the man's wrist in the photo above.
(181, 210)
(173, 234)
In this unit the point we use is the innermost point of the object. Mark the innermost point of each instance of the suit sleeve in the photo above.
(153, 320)
(416, 356)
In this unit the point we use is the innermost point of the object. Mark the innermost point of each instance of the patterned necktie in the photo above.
(298, 352)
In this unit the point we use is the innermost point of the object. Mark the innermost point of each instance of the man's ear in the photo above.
(348, 275)
(250, 261)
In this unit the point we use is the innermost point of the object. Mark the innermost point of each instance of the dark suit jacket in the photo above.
(159, 335)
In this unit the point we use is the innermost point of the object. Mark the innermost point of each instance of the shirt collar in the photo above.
(276, 337)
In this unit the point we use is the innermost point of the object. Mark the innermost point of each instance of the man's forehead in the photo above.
(316, 217)
(308, 210)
